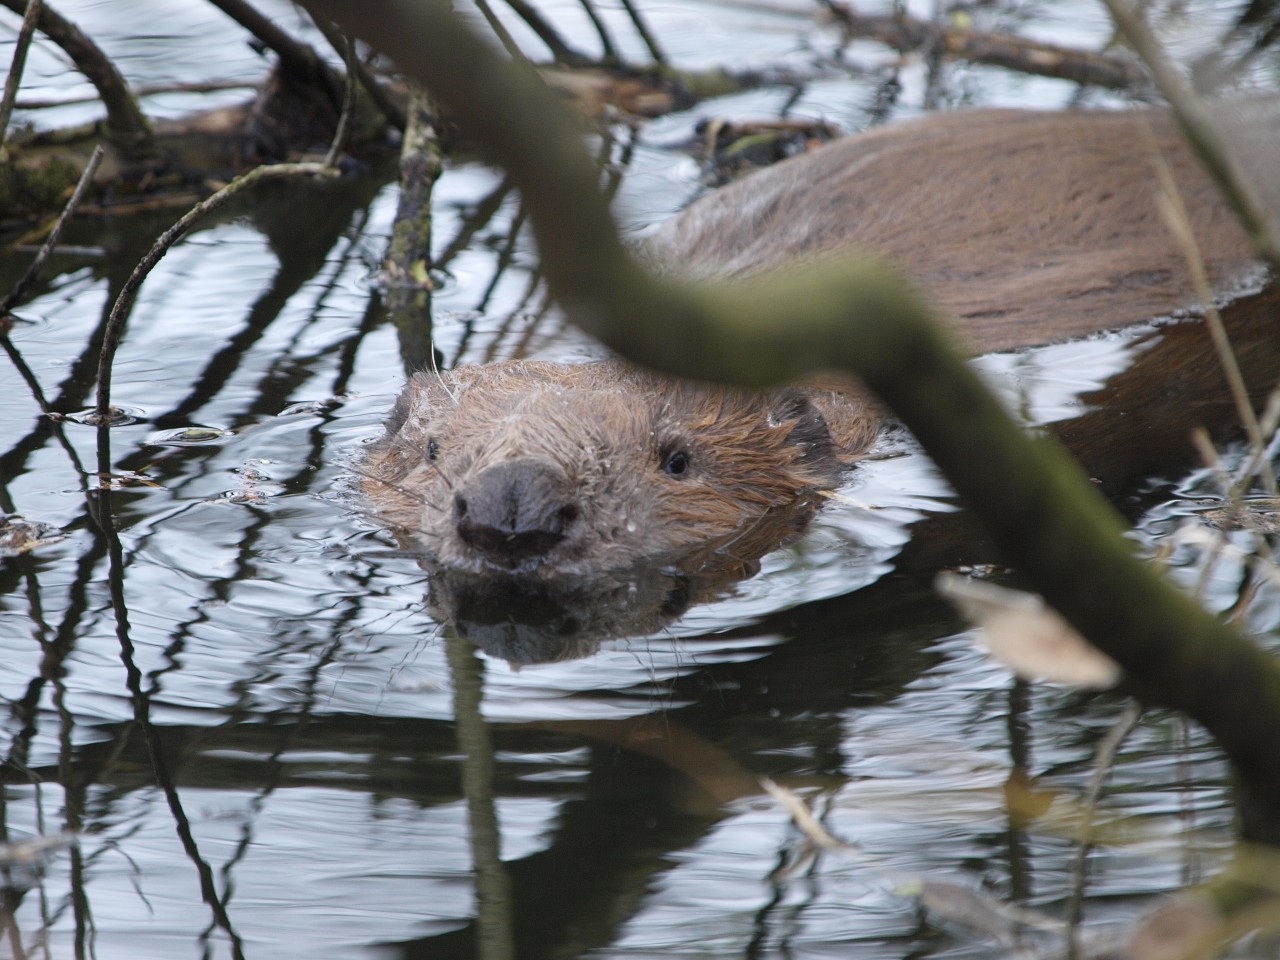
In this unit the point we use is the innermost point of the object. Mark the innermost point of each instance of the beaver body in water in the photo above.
(1025, 228)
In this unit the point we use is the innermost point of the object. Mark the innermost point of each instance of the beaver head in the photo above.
(540, 469)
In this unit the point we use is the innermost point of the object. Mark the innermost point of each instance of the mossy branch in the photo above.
(1038, 506)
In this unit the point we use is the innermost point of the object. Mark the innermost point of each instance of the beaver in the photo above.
(546, 470)
(1024, 228)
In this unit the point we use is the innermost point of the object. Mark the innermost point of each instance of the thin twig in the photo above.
(907, 34)
(28, 278)
(646, 34)
(607, 48)
(394, 113)
(1104, 761)
(348, 106)
(19, 63)
(1261, 557)
(1189, 110)
(1258, 463)
(124, 301)
(1175, 216)
(803, 818)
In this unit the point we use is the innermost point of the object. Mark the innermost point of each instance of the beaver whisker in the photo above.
(399, 488)
(435, 368)
(724, 548)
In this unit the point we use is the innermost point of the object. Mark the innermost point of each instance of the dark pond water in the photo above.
(265, 746)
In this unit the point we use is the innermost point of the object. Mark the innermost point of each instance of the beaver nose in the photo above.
(515, 511)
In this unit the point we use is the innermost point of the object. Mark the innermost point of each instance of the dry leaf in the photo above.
(1027, 636)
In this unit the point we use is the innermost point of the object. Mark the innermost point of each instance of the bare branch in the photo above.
(559, 47)
(128, 128)
(906, 34)
(393, 112)
(296, 58)
(19, 63)
(19, 291)
(646, 34)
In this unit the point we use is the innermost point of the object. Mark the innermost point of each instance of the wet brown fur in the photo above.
(609, 427)
(1024, 227)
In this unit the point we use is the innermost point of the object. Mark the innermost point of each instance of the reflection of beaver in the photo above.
(1024, 227)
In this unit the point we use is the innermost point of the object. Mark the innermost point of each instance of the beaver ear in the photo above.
(408, 400)
(399, 414)
(809, 430)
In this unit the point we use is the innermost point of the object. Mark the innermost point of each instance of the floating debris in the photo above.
(194, 436)
(19, 535)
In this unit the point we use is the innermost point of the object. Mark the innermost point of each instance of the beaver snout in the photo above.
(515, 511)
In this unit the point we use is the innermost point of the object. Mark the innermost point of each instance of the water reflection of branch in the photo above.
(523, 346)
(506, 254)
(493, 886)
(720, 775)
(142, 716)
(124, 300)
(290, 734)
(476, 220)
(26, 712)
(12, 461)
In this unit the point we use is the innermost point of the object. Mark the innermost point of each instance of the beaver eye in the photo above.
(676, 464)
(433, 449)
